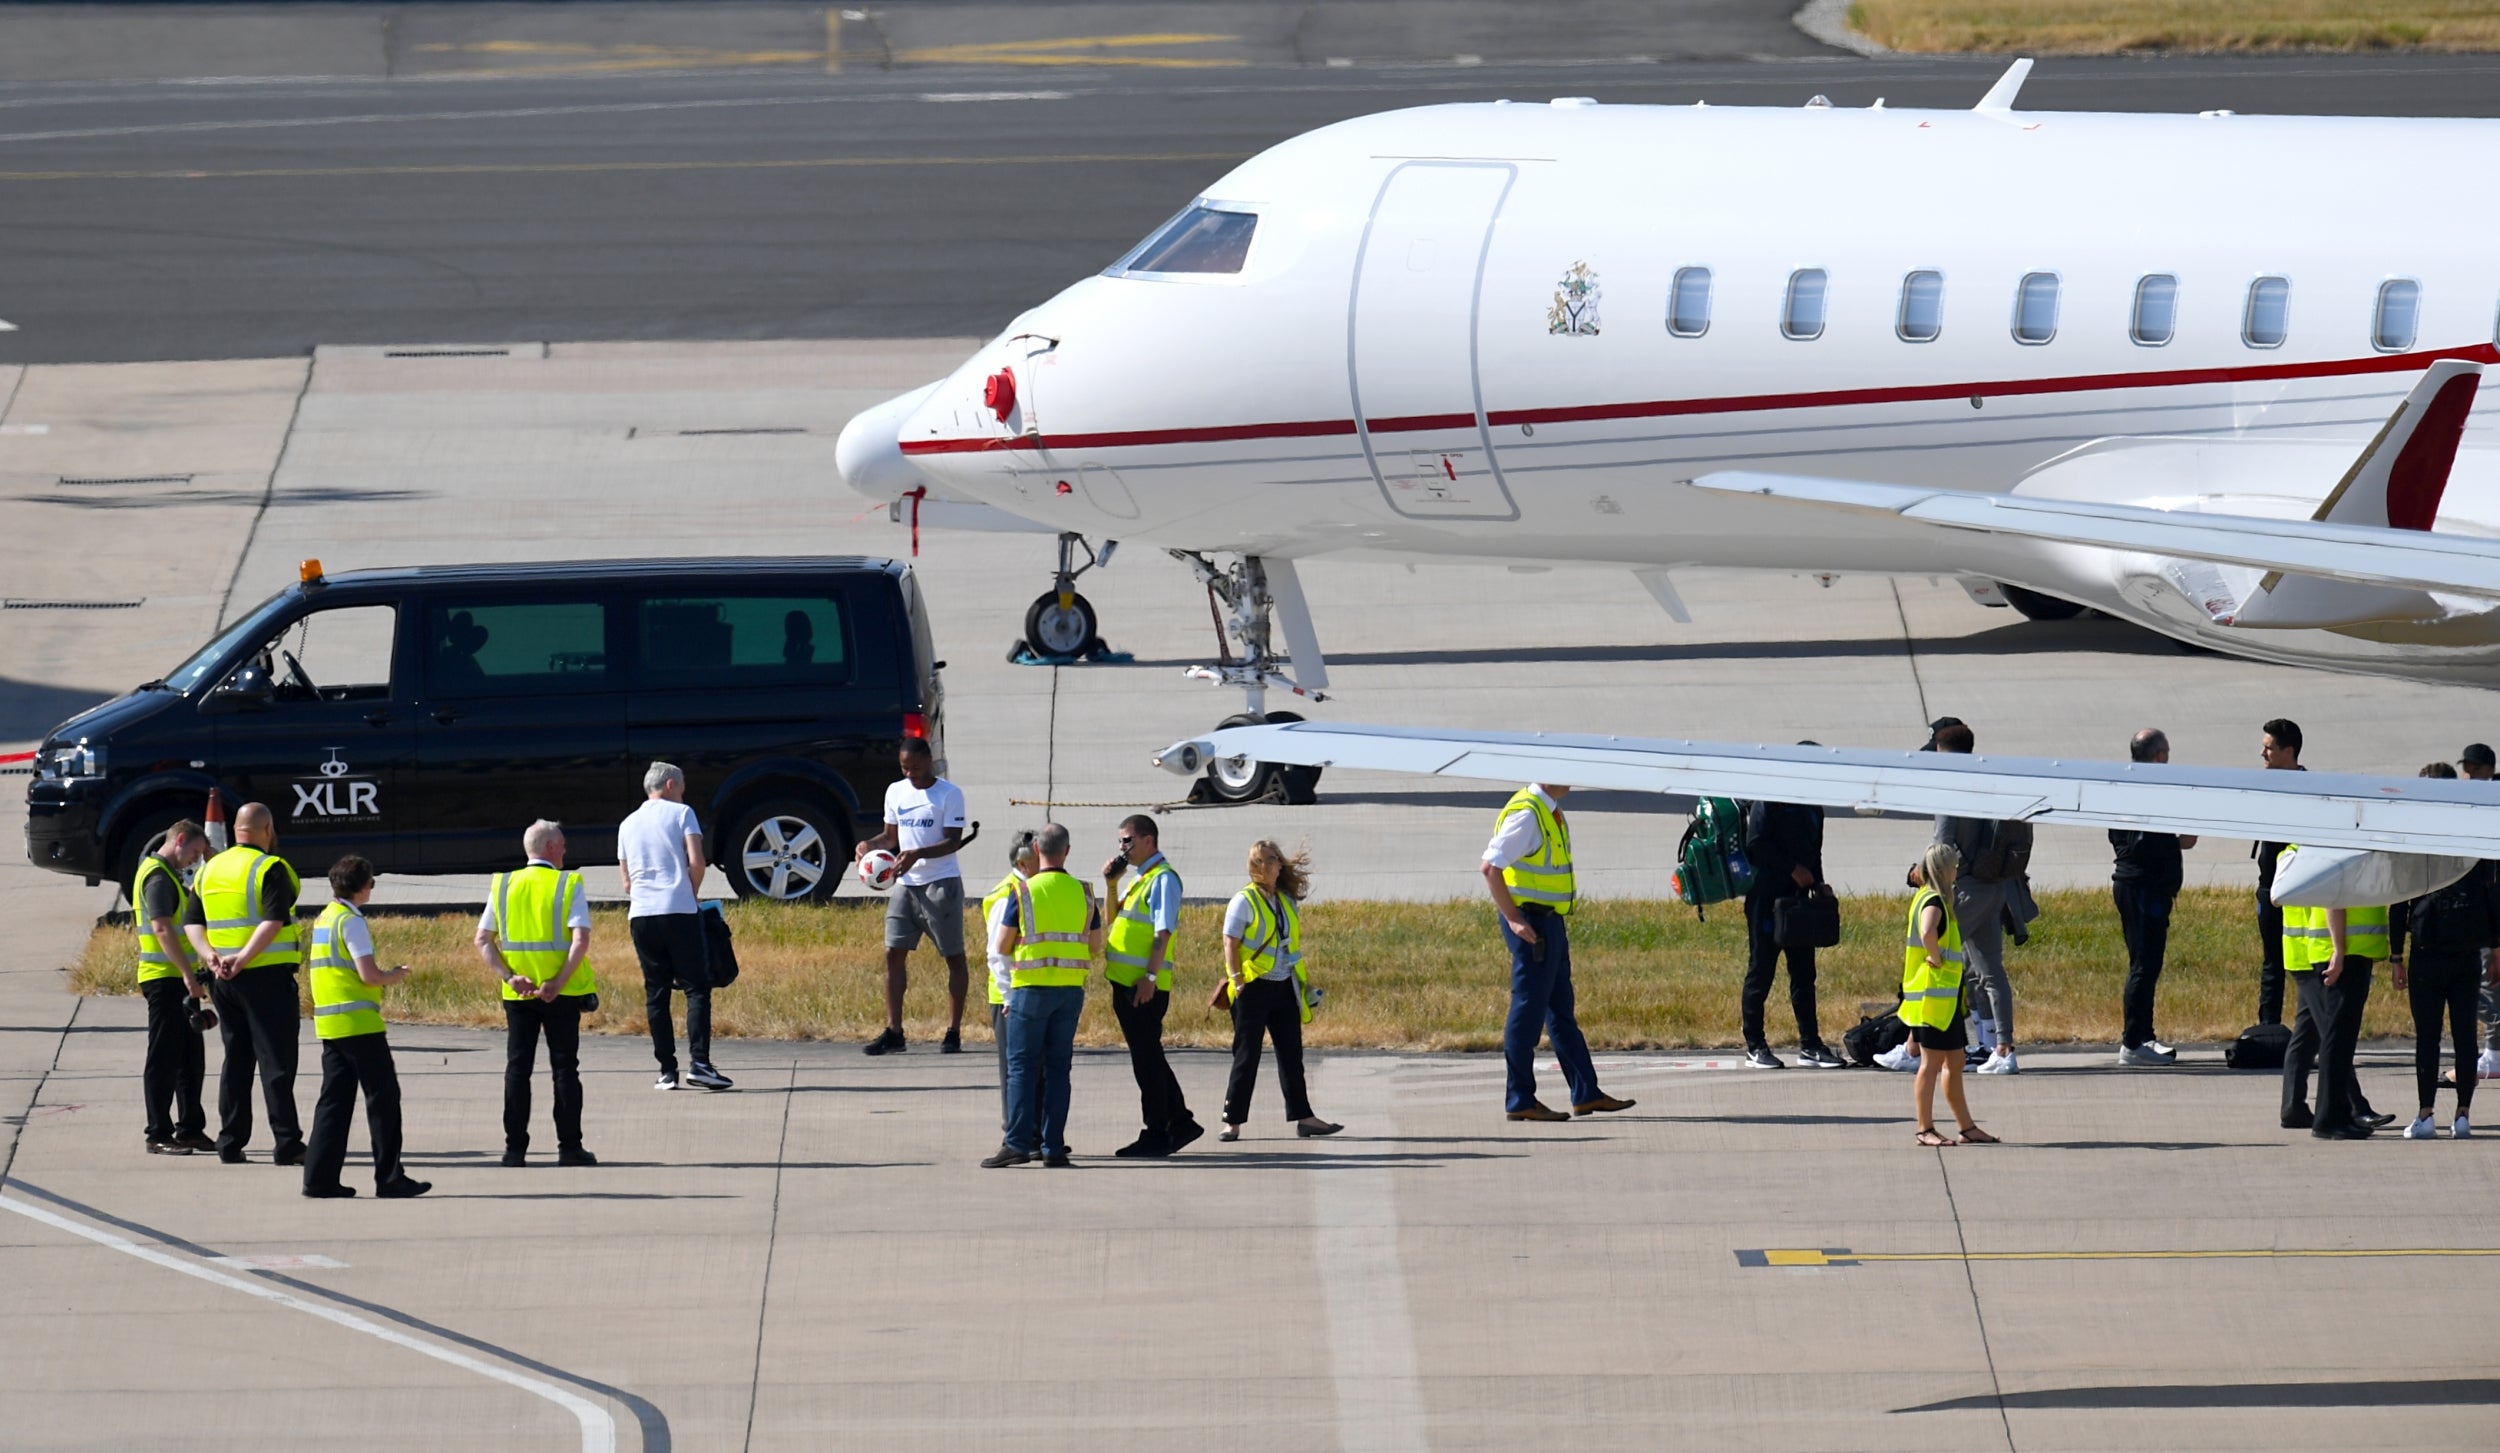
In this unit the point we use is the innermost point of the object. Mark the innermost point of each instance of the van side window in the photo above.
(344, 653)
(2268, 319)
(2035, 308)
(2156, 309)
(515, 648)
(1801, 317)
(2399, 311)
(741, 640)
(1922, 307)
(1688, 303)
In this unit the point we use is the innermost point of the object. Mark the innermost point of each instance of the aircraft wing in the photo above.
(2409, 559)
(2411, 815)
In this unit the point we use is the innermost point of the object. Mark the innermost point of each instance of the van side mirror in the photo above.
(248, 689)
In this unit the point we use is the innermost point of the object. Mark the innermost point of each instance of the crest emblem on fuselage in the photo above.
(1574, 311)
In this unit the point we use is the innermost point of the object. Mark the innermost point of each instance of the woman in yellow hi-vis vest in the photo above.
(1932, 997)
(1266, 988)
(355, 1054)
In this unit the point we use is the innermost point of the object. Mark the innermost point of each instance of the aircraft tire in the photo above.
(2034, 606)
(1239, 779)
(1051, 631)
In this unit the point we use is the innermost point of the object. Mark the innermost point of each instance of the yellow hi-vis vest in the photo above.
(1005, 890)
(1267, 937)
(2365, 932)
(1051, 908)
(344, 1005)
(1543, 876)
(2309, 944)
(1931, 992)
(155, 961)
(231, 890)
(531, 909)
(1132, 938)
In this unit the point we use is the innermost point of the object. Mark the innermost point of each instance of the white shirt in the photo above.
(355, 937)
(1518, 834)
(578, 918)
(652, 846)
(920, 820)
(1237, 920)
(1002, 966)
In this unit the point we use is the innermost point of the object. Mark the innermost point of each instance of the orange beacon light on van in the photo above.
(309, 572)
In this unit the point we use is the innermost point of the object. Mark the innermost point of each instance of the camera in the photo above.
(203, 1018)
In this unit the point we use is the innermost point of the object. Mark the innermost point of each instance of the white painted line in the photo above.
(993, 95)
(1371, 1333)
(6, 326)
(22, 428)
(308, 1261)
(598, 1429)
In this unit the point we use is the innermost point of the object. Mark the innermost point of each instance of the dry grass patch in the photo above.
(2104, 27)
(1399, 975)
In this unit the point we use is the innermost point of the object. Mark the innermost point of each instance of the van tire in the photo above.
(146, 830)
(790, 834)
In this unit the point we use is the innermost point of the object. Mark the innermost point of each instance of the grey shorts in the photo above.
(936, 909)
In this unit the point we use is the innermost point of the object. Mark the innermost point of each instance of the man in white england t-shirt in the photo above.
(924, 825)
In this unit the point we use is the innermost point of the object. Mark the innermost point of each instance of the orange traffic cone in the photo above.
(216, 822)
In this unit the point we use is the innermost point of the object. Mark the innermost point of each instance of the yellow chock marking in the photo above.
(1842, 1256)
(1795, 1258)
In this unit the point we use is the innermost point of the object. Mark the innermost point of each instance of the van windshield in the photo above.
(255, 627)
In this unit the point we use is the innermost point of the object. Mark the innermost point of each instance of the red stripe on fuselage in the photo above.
(1736, 404)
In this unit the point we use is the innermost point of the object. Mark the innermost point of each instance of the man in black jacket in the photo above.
(2451, 932)
(2144, 882)
(1785, 842)
(2279, 749)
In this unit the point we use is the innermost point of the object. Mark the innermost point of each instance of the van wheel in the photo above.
(146, 833)
(788, 850)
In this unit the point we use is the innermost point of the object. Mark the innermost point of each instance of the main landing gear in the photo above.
(1246, 599)
(1061, 623)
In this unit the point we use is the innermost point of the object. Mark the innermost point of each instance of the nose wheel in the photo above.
(1061, 625)
(1245, 599)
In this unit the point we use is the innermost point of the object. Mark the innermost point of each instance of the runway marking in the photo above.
(6, 326)
(535, 169)
(1843, 1256)
(598, 1429)
(1067, 52)
(309, 1261)
(1371, 1330)
(573, 58)
(370, 118)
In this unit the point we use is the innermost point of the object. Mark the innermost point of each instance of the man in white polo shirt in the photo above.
(924, 825)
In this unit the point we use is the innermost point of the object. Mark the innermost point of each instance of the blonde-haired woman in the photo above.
(1264, 983)
(1931, 996)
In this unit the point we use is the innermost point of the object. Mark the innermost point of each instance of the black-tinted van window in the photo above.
(741, 640)
(514, 648)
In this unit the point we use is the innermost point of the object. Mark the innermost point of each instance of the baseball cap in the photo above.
(2477, 753)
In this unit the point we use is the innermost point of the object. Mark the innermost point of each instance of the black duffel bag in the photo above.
(1807, 920)
(720, 957)
(2259, 1047)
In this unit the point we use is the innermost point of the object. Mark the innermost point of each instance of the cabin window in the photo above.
(1802, 316)
(1688, 303)
(1199, 240)
(2399, 312)
(2269, 315)
(1922, 307)
(2035, 308)
(2156, 309)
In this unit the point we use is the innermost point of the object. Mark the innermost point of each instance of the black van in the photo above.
(424, 717)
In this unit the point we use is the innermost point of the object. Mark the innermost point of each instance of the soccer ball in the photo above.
(877, 870)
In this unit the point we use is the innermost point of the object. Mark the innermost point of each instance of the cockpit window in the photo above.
(1200, 240)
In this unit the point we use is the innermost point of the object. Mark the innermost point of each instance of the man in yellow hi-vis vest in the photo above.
(1137, 960)
(1022, 863)
(177, 1062)
(241, 923)
(2329, 954)
(1052, 931)
(355, 1052)
(1527, 868)
(535, 935)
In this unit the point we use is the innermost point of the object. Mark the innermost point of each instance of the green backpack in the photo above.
(1711, 866)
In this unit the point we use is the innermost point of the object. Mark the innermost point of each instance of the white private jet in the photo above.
(2212, 374)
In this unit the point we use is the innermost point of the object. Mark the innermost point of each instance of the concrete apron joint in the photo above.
(1371, 1333)
(1979, 1315)
(772, 1240)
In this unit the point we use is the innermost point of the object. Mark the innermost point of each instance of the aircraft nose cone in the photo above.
(870, 451)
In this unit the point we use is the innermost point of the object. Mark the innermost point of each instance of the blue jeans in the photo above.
(1541, 1003)
(1041, 1051)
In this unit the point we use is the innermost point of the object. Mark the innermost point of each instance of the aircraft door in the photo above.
(1411, 341)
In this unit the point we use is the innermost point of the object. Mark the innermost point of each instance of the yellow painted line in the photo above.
(581, 58)
(532, 169)
(1842, 1256)
(833, 40)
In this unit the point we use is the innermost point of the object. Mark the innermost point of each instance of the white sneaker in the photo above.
(2421, 1129)
(2463, 1131)
(2001, 1063)
(1903, 1056)
(2168, 1052)
(666, 1081)
(2487, 1065)
(2147, 1055)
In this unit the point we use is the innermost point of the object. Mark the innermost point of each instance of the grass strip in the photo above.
(1411, 976)
(2108, 27)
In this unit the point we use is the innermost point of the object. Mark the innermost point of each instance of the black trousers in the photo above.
(675, 956)
(1159, 1099)
(2144, 921)
(1762, 957)
(258, 1020)
(998, 1036)
(177, 1062)
(2326, 1033)
(2270, 946)
(1270, 1008)
(359, 1062)
(2445, 981)
(524, 1020)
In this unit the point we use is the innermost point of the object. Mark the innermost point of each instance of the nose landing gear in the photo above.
(1256, 591)
(1061, 623)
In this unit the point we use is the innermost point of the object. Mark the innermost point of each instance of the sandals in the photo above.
(1977, 1136)
(1928, 1137)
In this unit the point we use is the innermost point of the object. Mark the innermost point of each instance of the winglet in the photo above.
(2398, 481)
(2000, 96)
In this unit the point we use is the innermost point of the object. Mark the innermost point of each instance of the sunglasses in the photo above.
(1128, 842)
